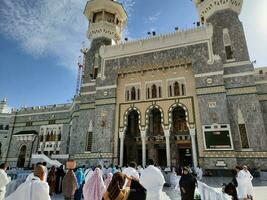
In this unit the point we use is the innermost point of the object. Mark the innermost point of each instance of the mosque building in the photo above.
(190, 97)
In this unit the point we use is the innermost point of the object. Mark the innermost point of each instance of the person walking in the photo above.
(116, 189)
(80, 180)
(241, 183)
(34, 189)
(249, 186)
(51, 179)
(69, 185)
(4, 180)
(94, 188)
(153, 181)
(60, 173)
(187, 185)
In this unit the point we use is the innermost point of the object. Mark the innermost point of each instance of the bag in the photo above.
(197, 194)
(137, 191)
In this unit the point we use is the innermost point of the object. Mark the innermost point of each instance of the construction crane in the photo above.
(79, 75)
(81, 65)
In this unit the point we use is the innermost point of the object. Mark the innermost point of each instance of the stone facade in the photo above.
(222, 96)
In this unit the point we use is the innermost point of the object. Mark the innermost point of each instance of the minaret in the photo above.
(228, 34)
(207, 8)
(3, 106)
(107, 18)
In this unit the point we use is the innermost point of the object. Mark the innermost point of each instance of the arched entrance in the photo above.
(181, 153)
(22, 157)
(132, 148)
(156, 140)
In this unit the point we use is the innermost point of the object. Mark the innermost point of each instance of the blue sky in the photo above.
(40, 41)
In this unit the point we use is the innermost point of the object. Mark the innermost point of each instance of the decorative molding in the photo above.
(154, 65)
(233, 154)
(89, 84)
(88, 93)
(262, 97)
(208, 7)
(209, 74)
(261, 82)
(106, 87)
(211, 90)
(239, 74)
(237, 64)
(244, 90)
(88, 155)
(168, 41)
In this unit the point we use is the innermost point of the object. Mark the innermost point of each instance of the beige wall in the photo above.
(189, 101)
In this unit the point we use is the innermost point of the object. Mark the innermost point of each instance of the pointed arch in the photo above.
(175, 105)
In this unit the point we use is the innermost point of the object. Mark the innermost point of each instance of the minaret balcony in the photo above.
(207, 8)
(104, 29)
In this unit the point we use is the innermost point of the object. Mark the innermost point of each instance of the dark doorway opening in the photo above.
(185, 157)
(22, 157)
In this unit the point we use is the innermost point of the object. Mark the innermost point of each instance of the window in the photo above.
(176, 89)
(7, 127)
(28, 123)
(229, 52)
(170, 90)
(183, 89)
(148, 93)
(227, 44)
(127, 95)
(154, 91)
(133, 94)
(52, 121)
(243, 136)
(138, 94)
(89, 141)
(160, 92)
(1, 127)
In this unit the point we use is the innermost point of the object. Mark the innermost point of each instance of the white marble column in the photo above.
(194, 146)
(121, 135)
(168, 149)
(143, 138)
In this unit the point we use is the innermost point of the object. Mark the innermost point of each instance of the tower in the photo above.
(107, 19)
(3, 106)
(230, 44)
(229, 38)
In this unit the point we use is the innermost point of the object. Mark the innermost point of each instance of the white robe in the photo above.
(249, 186)
(153, 180)
(34, 189)
(241, 185)
(4, 180)
(129, 171)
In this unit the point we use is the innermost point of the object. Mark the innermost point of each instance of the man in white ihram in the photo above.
(153, 180)
(34, 189)
(4, 180)
(131, 171)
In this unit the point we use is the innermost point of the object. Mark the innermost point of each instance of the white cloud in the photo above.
(254, 18)
(154, 17)
(48, 27)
